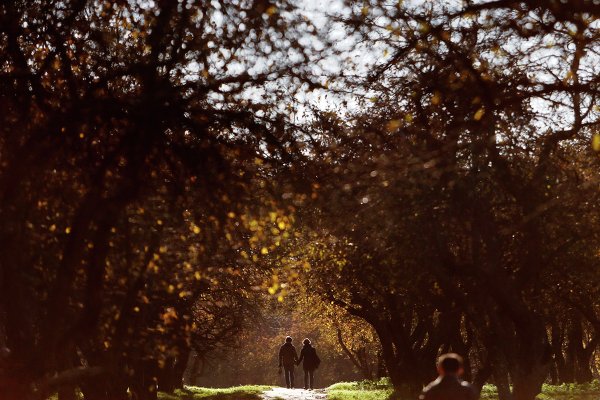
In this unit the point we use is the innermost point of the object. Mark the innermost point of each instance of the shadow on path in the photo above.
(294, 394)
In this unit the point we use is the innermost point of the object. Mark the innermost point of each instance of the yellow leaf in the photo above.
(393, 125)
(271, 10)
(365, 11)
(479, 114)
(281, 225)
(569, 76)
(264, 251)
(596, 142)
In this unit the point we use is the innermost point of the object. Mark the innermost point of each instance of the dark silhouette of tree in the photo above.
(133, 135)
(464, 176)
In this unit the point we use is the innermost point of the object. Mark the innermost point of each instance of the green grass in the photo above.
(233, 393)
(381, 390)
(363, 390)
(566, 391)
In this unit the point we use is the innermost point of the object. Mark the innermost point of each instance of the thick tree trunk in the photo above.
(105, 387)
(405, 378)
(529, 375)
(525, 389)
(584, 372)
(171, 377)
(67, 393)
(502, 384)
(14, 385)
(145, 381)
(528, 356)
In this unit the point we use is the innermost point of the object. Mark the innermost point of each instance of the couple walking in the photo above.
(288, 359)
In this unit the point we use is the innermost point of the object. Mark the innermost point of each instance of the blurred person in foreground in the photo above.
(448, 385)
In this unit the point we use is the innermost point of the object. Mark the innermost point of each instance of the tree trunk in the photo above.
(171, 377)
(528, 378)
(145, 381)
(558, 371)
(502, 384)
(532, 359)
(105, 387)
(14, 386)
(381, 369)
(404, 378)
(361, 363)
(67, 393)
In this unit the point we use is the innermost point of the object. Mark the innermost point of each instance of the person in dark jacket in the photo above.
(288, 358)
(308, 354)
(448, 385)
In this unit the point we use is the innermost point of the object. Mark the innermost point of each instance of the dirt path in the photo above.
(294, 394)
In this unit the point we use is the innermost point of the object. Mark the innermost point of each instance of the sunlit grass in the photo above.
(566, 391)
(250, 392)
(363, 390)
(359, 394)
(381, 390)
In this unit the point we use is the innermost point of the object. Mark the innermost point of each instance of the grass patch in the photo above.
(382, 390)
(363, 390)
(566, 391)
(251, 392)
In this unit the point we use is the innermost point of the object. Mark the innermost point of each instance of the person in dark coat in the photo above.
(308, 354)
(448, 385)
(288, 358)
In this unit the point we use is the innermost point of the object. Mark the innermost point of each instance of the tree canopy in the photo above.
(420, 177)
